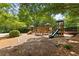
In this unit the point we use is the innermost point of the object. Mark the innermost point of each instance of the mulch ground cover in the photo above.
(44, 47)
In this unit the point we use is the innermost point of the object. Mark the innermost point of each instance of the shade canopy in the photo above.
(59, 17)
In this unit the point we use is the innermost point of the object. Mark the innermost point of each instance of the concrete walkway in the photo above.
(3, 34)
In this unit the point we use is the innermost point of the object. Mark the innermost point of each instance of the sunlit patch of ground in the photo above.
(71, 41)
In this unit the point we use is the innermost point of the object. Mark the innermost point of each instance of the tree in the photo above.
(36, 14)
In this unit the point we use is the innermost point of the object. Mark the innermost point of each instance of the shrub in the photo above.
(23, 30)
(67, 47)
(14, 33)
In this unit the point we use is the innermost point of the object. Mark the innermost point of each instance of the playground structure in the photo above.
(41, 30)
(59, 31)
(47, 29)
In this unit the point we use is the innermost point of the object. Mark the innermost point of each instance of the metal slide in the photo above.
(53, 33)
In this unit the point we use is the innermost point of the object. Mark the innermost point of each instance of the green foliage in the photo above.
(70, 21)
(78, 27)
(5, 5)
(37, 14)
(68, 47)
(11, 25)
(14, 33)
(23, 29)
(17, 25)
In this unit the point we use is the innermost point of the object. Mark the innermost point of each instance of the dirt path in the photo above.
(8, 42)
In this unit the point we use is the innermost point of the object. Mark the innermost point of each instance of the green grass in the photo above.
(68, 47)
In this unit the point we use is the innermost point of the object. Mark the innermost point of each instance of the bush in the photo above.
(14, 33)
(23, 30)
(67, 47)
